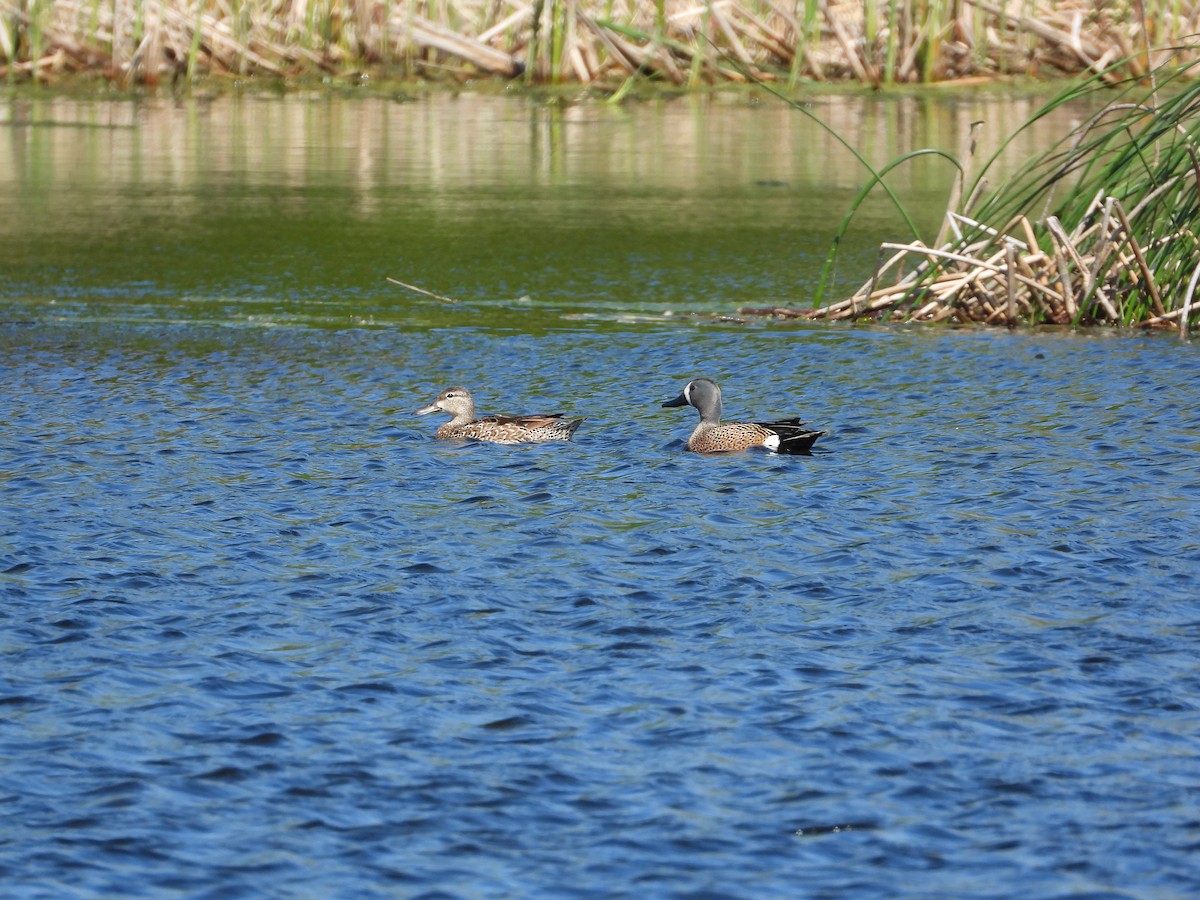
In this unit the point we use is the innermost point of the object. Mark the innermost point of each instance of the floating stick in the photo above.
(413, 287)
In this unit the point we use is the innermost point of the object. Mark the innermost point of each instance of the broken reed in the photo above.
(1104, 228)
(611, 44)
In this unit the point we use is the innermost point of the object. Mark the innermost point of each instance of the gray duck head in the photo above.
(456, 400)
(705, 395)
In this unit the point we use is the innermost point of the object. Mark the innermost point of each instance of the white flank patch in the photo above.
(772, 442)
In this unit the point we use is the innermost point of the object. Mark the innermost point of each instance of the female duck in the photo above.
(459, 403)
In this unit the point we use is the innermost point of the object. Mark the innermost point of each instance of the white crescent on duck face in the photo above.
(464, 424)
(713, 436)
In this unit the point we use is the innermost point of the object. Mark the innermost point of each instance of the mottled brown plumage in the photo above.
(535, 429)
(711, 436)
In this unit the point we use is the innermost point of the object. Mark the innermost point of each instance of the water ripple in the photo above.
(261, 635)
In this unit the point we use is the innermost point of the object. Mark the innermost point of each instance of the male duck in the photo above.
(497, 429)
(710, 436)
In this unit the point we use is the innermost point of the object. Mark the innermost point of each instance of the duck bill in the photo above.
(678, 401)
(426, 410)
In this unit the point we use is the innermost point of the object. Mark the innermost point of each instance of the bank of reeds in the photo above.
(607, 43)
(1104, 228)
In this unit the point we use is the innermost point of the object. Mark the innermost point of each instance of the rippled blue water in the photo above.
(263, 636)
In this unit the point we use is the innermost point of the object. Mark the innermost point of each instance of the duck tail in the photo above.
(794, 438)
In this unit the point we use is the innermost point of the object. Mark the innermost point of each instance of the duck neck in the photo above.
(462, 414)
(712, 415)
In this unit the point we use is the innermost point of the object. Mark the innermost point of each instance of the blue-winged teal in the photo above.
(497, 429)
(710, 436)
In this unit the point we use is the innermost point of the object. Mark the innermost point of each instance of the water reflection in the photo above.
(239, 206)
(470, 140)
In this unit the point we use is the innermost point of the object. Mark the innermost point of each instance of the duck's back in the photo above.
(534, 429)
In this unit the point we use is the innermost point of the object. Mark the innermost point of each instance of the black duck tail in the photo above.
(794, 438)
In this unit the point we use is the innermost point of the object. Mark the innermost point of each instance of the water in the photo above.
(263, 636)
(297, 209)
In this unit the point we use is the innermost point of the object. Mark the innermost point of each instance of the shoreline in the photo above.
(610, 47)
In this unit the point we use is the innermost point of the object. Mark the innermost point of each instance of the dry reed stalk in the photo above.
(760, 32)
(856, 63)
(515, 21)
(739, 50)
(619, 50)
(430, 35)
(1141, 259)
(964, 173)
(222, 47)
(1005, 278)
(580, 64)
(721, 40)
(1186, 310)
(1065, 254)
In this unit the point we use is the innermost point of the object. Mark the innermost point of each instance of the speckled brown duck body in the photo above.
(464, 424)
(713, 436)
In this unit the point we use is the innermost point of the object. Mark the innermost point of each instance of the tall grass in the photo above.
(596, 42)
(1103, 228)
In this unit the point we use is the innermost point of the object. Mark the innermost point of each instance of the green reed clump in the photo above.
(1118, 205)
(1103, 228)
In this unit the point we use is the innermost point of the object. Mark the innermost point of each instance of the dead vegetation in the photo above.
(604, 43)
(1102, 229)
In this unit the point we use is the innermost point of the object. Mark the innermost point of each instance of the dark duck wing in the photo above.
(794, 438)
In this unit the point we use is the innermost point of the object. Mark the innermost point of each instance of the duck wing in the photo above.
(530, 421)
(794, 438)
